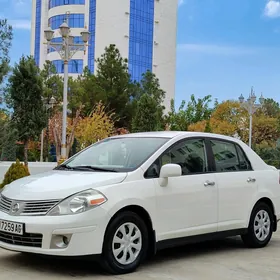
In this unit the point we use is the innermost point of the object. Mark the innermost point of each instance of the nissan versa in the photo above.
(126, 197)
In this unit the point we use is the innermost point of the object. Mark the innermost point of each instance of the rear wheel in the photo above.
(260, 227)
(125, 244)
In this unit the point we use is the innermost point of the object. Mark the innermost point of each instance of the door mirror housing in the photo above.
(170, 170)
(167, 171)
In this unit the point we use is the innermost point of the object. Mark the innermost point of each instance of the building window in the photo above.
(141, 33)
(55, 3)
(74, 21)
(77, 40)
(75, 66)
(37, 32)
(91, 49)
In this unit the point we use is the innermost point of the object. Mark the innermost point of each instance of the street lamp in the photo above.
(48, 104)
(251, 106)
(66, 49)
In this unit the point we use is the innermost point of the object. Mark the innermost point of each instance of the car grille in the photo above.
(27, 239)
(27, 208)
(39, 207)
(5, 204)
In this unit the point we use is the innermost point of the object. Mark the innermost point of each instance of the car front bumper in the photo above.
(46, 235)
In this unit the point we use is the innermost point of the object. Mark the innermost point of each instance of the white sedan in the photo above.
(126, 197)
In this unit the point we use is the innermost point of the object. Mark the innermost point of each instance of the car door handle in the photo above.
(251, 180)
(209, 184)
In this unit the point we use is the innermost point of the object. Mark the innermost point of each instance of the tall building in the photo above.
(143, 30)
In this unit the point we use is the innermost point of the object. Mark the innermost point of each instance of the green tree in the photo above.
(147, 116)
(25, 92)
(148, 104)
(150, 85)
(112, 84)
(8, 146)
(4, 118)
(270, 154)
(194, 111)
(178, 120)
(52, 82)
(6, 36)
(208, 127)
(52, 88)
(271, 108)
(77, 97)
(199, 109)
(85, 92)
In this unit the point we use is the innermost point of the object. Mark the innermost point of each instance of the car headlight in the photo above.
(78, 203)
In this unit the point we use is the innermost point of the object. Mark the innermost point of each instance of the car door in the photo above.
(236, 184)
(188, 204)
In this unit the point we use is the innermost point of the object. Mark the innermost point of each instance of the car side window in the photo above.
(228, 157)
(244, 163)
(189, 154)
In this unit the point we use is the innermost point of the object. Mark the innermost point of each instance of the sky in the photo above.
(223, 47)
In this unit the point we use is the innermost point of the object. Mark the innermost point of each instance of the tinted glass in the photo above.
(55, 3)
(74, 21)
(120, 154)
(225, 156)
(190, 155)
(244, 163)
(141, 37)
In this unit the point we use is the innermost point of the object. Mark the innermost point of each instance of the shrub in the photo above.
(16, 171)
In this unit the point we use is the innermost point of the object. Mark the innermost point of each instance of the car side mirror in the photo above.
(169, 170)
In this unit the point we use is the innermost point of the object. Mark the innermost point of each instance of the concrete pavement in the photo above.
(226, 259)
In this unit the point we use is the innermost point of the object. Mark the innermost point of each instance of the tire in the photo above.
(261, 216)
(116, 244)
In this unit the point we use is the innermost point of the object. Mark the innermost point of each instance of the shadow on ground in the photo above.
(81, 267)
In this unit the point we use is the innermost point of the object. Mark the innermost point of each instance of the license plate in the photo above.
(11, 227)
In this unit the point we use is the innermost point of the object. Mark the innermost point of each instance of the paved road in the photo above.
(224, 260)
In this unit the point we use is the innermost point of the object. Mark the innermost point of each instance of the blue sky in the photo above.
(223, 47)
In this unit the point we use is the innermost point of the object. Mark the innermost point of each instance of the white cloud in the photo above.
(181, 2)
(21, 2)
(214, 49)
(22, 8)
(272, 9)
(20, 24)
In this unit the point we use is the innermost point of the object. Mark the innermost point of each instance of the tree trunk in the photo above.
(26, 153)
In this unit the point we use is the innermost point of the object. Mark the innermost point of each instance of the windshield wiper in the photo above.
(63, 166)
(93, 168)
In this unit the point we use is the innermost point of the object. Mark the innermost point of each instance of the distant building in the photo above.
(143, 30)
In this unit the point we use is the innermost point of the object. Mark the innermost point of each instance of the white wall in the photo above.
(61, 10)
(34, 167)
(165, 33)
(112, 26)
(33, 22)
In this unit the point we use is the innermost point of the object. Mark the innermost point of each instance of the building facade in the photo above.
(143, 30)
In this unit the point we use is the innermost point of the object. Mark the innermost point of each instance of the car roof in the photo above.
(173, 134)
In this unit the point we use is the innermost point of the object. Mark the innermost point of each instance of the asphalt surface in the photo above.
(224, 259)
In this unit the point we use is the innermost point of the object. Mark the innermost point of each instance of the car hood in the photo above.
(59, 184)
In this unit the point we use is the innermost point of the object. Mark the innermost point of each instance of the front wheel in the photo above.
(260, 227)
(125, 244)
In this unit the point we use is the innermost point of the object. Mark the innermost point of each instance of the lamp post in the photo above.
(48, 104)
(66, 49)
(251, 106)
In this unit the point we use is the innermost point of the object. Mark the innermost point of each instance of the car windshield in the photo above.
(116, 154)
